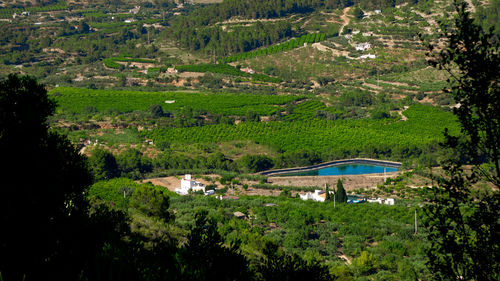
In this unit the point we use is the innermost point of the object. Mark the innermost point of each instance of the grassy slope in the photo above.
(77, 99)
(322, 135)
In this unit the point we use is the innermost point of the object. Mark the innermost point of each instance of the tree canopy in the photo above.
(462, 219)
(47, 231)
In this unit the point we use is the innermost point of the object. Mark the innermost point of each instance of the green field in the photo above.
(321, 135)
(76, 100)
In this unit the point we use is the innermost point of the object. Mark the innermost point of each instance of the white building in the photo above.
(248, 70)
(318, 195)
(187, 183)
(135, 10)
(387, 201)
(369, 56)
(363, 46)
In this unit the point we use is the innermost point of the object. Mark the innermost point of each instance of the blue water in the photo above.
(345, 170)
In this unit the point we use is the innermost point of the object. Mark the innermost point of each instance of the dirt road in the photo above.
(345, 19)
(350, 182)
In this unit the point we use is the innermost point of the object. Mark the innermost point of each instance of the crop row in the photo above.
(286, 46)
(306, 110)
(323, 135)
(76, 100)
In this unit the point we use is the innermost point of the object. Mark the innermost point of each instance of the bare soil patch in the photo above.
(136, 64)
(345, 19)
(351, 182)
(400, 112)
(334, 52)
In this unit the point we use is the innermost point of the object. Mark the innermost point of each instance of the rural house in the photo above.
(187, 184)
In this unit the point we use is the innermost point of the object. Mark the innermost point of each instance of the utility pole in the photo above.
(416, 225)
(378, 79)
(334, 199)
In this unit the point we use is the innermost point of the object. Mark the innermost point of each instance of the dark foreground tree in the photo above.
(47, 231)
(463, 220)
(152, 201)
(103, 164)
(205, 257)
(277, 266)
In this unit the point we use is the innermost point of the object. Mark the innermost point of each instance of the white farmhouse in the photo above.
(187, 183)
(248, 70)
(135, 10)
(363, 46)
(172, 70)
(387, 201)
(369, 56)
(318, 195)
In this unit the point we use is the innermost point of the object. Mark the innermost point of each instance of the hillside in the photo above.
(226, 89)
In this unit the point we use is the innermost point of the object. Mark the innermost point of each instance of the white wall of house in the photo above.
(318, 195)
(387, 201)
(363, 46)
(187, 183)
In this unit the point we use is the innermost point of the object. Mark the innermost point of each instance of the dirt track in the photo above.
(345, 19)
(350, 182)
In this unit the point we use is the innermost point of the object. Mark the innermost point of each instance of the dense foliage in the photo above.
(271, 9)
(77, 100)
(214, 40)
(337, 137)
(305, 236)
(45, 215)
(463, 218)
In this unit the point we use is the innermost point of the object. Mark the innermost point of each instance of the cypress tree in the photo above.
(327, 190)
(340, 195)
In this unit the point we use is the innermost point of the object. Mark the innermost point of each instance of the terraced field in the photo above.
(76, 100)
(323, 136)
